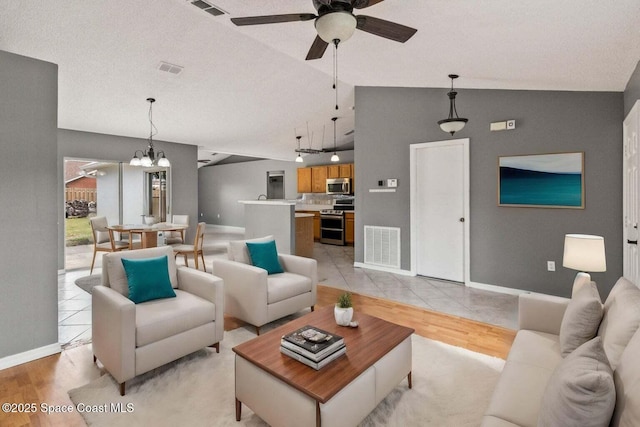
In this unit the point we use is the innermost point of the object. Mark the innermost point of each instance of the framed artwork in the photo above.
(542, 180)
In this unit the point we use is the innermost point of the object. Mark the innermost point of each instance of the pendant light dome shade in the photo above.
(453, 123)
(336, 26)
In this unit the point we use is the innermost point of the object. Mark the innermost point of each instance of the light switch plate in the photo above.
(392, 182)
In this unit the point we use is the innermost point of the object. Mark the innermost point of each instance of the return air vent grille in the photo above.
(382, 246)
(170, 68)
(213, 10)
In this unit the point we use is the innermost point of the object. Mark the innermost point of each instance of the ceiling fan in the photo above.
(335, 23)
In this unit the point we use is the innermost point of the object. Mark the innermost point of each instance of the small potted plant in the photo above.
(343, 310)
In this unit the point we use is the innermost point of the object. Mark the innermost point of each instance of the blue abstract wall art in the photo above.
(542, 180)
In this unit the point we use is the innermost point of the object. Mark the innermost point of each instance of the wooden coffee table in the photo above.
(283, 391)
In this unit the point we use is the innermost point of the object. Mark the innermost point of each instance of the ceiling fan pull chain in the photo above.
(335, 69)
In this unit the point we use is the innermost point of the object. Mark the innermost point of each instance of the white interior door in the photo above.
(631, 187)
(439, 220)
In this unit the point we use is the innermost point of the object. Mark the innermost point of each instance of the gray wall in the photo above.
(221, 186)
(509, 246)
(28, 122)
(93, 146)
(632, 91)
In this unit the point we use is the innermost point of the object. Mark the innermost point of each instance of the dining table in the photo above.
(148, 233)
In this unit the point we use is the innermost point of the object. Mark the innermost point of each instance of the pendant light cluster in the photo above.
(148, 156)
(310, 150)
(453, 123)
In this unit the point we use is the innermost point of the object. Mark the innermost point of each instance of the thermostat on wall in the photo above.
(392, 182)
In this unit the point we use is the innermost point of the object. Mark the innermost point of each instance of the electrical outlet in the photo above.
(511, 124)
(551, 266)
(392, 182)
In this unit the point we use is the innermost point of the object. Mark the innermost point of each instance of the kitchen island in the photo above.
(293, 232)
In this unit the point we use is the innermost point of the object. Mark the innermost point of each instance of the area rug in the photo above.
(451, 387)
(87, 283)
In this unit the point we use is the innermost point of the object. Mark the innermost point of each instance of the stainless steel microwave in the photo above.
(339, 186)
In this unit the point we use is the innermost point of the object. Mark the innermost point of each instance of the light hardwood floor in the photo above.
(47, 380)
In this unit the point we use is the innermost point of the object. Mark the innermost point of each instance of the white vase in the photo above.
(343, 315)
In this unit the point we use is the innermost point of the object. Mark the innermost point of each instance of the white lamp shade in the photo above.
(452, 125)
(335, 158)
(336, 25)
(135, 161)
(584, 252)
(164, 162)
(299, 159)
(146, 161)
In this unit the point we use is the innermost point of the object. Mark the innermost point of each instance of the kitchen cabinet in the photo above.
(304, 234)
(304, 180)
(339, 171)
(349, 228)
(316, 223)
(318, 179)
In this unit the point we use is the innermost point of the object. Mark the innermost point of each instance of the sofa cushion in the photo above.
(620, 320)
(627, 381)
(581, 391)
(518, 394)
(148, 279)
(163, 318)
(265, 255)
(581, 319)
(237, 249)
(286, 285)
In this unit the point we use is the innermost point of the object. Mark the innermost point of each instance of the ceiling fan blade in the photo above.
(361, 4)
(273, 19)
(317, 49)
(386, 29)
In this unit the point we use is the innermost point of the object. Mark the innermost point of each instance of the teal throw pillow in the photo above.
(148, 279)
(265, 255)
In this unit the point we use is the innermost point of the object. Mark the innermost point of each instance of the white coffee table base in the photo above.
(279, 404)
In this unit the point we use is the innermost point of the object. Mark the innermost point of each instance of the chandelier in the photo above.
(148, 156)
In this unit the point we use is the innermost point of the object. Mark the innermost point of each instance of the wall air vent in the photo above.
(382, 246)
(170, 68)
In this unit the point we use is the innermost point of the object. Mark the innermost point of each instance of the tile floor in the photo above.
(335, 268)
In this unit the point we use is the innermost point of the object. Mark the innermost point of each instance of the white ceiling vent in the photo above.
(170, 68)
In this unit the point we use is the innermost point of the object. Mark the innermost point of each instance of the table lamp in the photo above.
(585, 253)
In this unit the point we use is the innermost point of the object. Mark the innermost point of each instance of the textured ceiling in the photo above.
(248, 90)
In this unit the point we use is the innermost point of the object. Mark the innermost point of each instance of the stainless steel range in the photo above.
(332, 227)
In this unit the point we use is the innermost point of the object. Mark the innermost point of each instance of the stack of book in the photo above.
(312, 346)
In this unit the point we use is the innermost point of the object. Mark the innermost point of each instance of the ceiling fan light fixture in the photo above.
(453, 123)
(338, 25)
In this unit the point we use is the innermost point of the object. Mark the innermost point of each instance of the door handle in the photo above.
(632, 242)
(461, 219)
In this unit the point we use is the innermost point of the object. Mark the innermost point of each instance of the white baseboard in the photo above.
(381, 268)
(495, 288)
(29, 356)
(61, 272)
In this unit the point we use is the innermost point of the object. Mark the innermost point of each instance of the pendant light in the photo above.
(452, 124)
(335, 157)
(148, 157)
(299, 159)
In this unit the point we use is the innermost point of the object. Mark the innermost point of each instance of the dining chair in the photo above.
(103, 240)
(195, 249)
(173, 237)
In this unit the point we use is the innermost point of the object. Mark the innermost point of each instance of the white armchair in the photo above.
(258, 298)
(131, 339)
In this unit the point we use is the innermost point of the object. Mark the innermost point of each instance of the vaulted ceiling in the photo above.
(249, 91)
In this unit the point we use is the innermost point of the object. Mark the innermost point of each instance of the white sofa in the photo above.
(258, 298)
(131, 339)
(536, 353)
